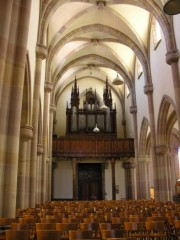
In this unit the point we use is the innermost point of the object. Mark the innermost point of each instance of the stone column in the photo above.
(28, 160)
(129, 179)
(5, 18)
(54, 166)
(48, 178)
(41, 53)
(124, 111)
(162, 169)
(18, 46)
(51, 123)
(171, 182)
(148, 90)
(133, 111)
(26, 135)
(172, 58)
(74, 168)
(144, 190)
(113, 162)
(47, 90)
(39, 172)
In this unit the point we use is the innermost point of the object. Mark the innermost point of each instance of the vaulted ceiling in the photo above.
(96, 39)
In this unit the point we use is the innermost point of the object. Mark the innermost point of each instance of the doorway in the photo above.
(89, 181)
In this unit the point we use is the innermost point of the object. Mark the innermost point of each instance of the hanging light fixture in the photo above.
(96, 129)
(103, 107)
(117, 80)
(172, 7)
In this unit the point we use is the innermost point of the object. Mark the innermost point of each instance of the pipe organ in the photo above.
(83, 120)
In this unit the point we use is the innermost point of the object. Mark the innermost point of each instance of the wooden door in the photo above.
(89, 181)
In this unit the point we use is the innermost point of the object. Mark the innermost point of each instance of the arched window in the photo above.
(156, 32)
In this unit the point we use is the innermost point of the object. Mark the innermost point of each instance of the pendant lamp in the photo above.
(172, 7)
(96, 129)
(117, 80)
(103, 107)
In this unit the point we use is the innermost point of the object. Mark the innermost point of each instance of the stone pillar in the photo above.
(51, 122)
(74, 168)
(28, 160)
(144, 190)
(129, 179)
(171, 177)
(41, 53)
(124, 111)
(48, 179)
(15, 81)
(148, 90)
(162, 168)
(113, 162)
(39, 174)
(47, 90)
(172, 58)
(5, 18)
(26, 135)
(54, 166)
(133, 111)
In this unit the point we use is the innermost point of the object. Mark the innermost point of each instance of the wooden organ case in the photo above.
(83, 120)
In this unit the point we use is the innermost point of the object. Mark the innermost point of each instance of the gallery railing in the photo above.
(96, 147)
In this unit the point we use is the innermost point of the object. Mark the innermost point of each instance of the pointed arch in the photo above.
(163, 119)
(170, 123)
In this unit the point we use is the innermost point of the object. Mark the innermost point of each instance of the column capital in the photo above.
(26, 132)
(53, 108)
(148, 88)
(129, 165)
(161, 149)
(41, 51)
(172, 56)
(40, 149)
(133, 109)
(48, 86)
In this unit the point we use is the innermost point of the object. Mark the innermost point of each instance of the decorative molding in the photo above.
(172, 56)
(52, 108)
(41, 51)
(40, 149)
(133, 109)
(148, 89)
(26, 132)
(161, 149)
(48, 86)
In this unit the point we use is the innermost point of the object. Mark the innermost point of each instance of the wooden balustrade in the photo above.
(93, 147)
